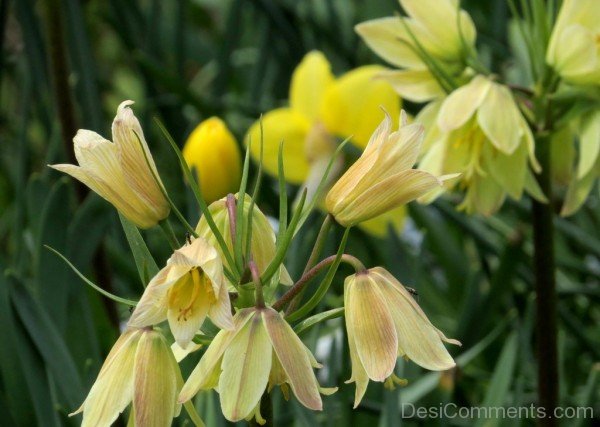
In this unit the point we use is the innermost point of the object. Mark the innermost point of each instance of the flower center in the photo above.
(200, 285)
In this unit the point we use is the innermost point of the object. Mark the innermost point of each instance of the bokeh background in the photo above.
(67, 64)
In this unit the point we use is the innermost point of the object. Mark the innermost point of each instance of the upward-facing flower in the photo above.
(186, 291)
(140, 368)
(478, 130)
(382, 178)
(262, 351)
(384, 322)
(574, 48)
(121, 171)
(435, 25)
(211, 149)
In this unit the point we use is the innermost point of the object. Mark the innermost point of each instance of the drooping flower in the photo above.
(186, 291)
(574, 50)
(140, 368)
(443, 31)
(262, 244)
(122, 172)
(212, 151)
(384, 322)
(478, 130)
(382, 178)
(322, 108)
(262, 352)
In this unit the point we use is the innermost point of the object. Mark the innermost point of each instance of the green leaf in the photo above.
(144, 261)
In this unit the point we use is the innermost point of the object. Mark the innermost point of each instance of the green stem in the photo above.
(169, 234)
(314, 256)
(259, 297)
(545, 287)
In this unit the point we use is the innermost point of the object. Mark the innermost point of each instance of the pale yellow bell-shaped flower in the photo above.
(382, 178)
(263, 351)
(384, 322)
(322, 108)
(140, 368)
(574, 48)
(479, 131)
(435, 24)
(187, 290)
(118, 171)
(211, 149)
(262, 245)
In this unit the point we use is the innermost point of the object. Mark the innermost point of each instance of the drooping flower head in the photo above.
(140, 368)
(186, 291)
(384, 322)
(443, 31)
(382, 178)
(479, 131)
(211, 149)
(261, 352)
(123, 171)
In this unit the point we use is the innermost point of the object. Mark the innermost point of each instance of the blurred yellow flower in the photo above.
(574, 48)
(262, 352)
(119, 171)
(322, 107)
(384, 322)
(262, 245)
(479, 131)
(186, 291)
(434, 23)
(140, 368)
(212, 151)
(382, 178)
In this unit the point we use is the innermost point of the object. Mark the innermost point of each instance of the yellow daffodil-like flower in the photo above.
(119, 171)
(574, 48)
(262, 245)
(263, 351)
(211, 149)
(382, 178)
(190, 288)
(384, 322)
(587, 172)
(322, 108)
(434, 24)
(479, 131)
(139, 368)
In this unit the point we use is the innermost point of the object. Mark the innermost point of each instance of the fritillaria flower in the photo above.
(384, 322)
(263, 351)
(122, 172)
(186, 291)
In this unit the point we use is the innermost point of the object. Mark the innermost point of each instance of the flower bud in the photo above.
(122, 172)
(211, 149)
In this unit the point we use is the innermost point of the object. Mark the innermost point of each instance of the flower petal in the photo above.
(589, 143)
(499, 118)
(291, 354)
(415, 85)
(461, 104)
(311, 78)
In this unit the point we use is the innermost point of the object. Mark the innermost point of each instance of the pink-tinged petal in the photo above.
(246, 365)
(291, 354)
(370, 322)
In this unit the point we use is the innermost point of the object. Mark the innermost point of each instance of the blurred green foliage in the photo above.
(185, 60)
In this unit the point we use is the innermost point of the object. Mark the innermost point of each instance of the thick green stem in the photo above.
(545, 287)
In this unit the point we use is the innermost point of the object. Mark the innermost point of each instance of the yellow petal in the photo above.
(291, 354)
(589, 143)
(310, 80)
(156, 374)
(499, 118)
(417, 337)
(113, 389)
(385, 37)
(352, 105)
(211, 149)
(415, 85)
(289, 126)
(381, 225)
(507, 170)
(181, 353)
(370, 322)
(461, 104)
(246, 366)
(206, 373)
(484, 196)
(579, 190)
